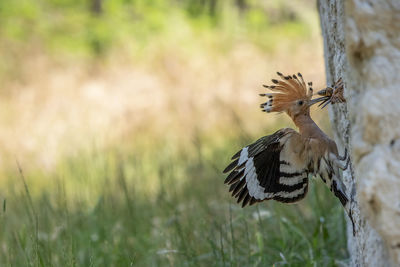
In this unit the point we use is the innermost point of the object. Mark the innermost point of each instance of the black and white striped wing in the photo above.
(268, 169)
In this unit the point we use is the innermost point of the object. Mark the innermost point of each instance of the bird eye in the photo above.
(300, 102)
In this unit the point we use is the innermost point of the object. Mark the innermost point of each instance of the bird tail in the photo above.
(339, 191)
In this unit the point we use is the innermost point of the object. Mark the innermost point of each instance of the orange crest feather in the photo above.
(286, 91)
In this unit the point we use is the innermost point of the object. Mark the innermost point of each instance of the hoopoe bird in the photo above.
(278, 166)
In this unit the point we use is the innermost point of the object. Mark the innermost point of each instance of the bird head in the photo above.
(289, 94)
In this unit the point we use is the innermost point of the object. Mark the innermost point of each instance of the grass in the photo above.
(118, 207)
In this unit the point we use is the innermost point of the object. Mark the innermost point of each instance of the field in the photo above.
(117, 119)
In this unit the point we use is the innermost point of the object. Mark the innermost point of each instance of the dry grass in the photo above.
(61, 108)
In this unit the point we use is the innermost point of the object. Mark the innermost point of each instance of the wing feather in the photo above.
(266, 170)
(234, 176)
(231, 166)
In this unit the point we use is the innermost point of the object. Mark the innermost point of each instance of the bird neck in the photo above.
(307, 127)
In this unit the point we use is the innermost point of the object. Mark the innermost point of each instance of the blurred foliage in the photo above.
(95, 26)
(94, 29)
(144, 186)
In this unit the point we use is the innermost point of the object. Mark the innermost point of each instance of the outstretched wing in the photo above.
(270, 168)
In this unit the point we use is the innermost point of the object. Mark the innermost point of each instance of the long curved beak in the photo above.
(317, 100)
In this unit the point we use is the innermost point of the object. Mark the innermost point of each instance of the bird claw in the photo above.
(347, 164)
(338, 161)
(341, 158)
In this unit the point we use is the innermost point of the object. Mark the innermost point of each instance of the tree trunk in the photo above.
(362, 45)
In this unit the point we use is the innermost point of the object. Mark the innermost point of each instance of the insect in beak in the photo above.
(333, 94)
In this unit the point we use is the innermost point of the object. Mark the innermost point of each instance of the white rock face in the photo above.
(362, 45)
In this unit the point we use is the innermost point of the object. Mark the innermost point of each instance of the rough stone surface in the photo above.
(362, 45)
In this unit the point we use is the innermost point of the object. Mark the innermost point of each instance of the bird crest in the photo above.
(285, 92)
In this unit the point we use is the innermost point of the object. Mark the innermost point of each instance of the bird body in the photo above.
(278, 166)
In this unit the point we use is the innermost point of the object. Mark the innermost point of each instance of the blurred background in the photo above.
(117, 118)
